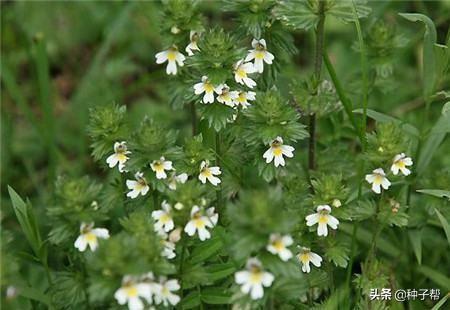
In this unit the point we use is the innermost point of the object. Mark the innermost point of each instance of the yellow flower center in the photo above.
(304, 257)
(278, 245)
(400, 164)
(255, 276)
(159, 167)
(208, 87)
(241, 73)
(277, 151)
(242, 98)
(259, 54)
(165, 291)
(323, 218)
(131, 291)
(165, 218)
(199, 222)
(90, 237)
(171, 55)
(121, 157)
(206, 172)
(378, 179)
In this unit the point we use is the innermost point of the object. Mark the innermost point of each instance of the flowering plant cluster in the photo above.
(262, 187)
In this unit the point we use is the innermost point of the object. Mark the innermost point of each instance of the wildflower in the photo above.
(324, 218)
(168, 249)
(241, 69)
(243, 97)
(192, 46)
(377, 178)
(175, 179)
(253, 279)
(226, 96)
(159, 166)
(278, 245)
(199, 222)
(165, 295)
(277, 150)
(119, 156)
(89, 235)
(137, 187)
(208, 173)
(400, 162)
(131, 292)
(172, 56)
(206, 87)
(179, 206)
(163, 218)
(306, 256)
(174, 29)
(260, 54)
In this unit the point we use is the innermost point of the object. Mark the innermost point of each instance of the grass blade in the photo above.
(444, 223)
(441, 302)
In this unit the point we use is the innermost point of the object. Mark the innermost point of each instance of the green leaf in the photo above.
(383, 118)
(338, 254)
(415, 236)
(215, 296)
(205, 250)
(34, 294)
(27, 221)
(431, 58)
(433, 141)
(219, 271)
(217, 115)
(436, 276)
(444, 223)
(435, 192)
(441, 302)
(191, 301)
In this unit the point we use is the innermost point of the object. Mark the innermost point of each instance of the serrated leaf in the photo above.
(219, 271)
(191, 301)
(215, 296)
(205, 250)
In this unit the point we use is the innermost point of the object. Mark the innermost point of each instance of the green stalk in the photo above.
(43, 79)
(317, 75)
(194, 124)
(364, 68)
(219, 189)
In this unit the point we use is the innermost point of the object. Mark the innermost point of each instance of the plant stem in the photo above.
(317, 75)
(219, 188)
(193, 118)
(363, 62)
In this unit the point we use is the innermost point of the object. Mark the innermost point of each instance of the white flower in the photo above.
(206, 87)
(192, 46)
(165, 294)
(324, 218)
(172, 56)
(277, 150)
(260, 54)
(241, 69)
(306, 256)
(119, 156)
(137, 187)
(377, 179)
(168, 249)
(253, 279)
(226, 96)
(243, 97)
(131, 292)
(199, 222)
(89, 235)
(159, 166)
(279, 245)
(208, 173)
(400, 162)
(175, 179)
(163, 218)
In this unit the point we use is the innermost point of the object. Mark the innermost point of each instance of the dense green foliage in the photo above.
(352, 86)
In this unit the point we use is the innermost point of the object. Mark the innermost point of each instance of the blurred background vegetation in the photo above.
(58, 59)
